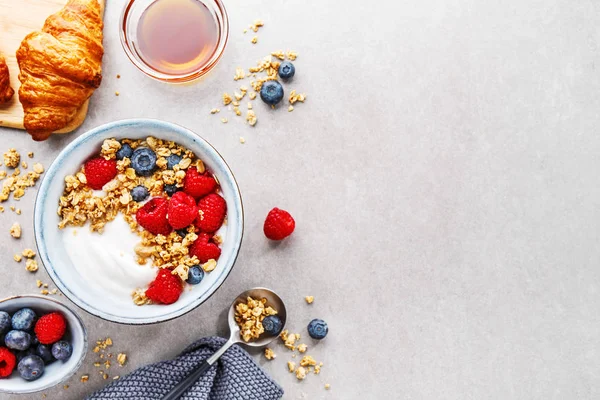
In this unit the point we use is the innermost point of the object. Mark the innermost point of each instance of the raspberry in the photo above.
(7, 362)
(166, 287)
(153, 216)
(204, 249)
(182, 210)
(211, 210)
(50, 328)
(279, 224)
(98, 172)
(197, 185)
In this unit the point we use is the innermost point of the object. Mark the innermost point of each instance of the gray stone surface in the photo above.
(443, 178)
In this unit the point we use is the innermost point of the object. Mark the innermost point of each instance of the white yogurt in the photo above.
(108, 260)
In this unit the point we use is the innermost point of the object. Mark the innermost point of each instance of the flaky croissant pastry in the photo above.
(60, 67)
(6, 92)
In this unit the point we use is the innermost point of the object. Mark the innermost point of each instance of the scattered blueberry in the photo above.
(23, 319)
(182, 232)
(62, 350)
(5, 323)
(271, 92)
(139, 193)
(124, 152)
(317, 329)
(143, 161)
(286, 70)
(171, 189)
(31, 368)
(173, 160)
(17, 340)
(272, 325)
(195, 275)
(22, 354)
(44, 352)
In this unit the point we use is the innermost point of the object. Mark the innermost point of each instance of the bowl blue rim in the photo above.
(85, 343)
(42, 196)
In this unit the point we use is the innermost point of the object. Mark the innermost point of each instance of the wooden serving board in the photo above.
(18, 18)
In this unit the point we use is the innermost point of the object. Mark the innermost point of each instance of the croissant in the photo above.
(60, 67)
(6, 92)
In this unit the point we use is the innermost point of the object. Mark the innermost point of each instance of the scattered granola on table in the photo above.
(309, 299)
(266, 69)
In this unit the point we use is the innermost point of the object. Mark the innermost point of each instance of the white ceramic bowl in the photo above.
(51, 248)
(58, 371)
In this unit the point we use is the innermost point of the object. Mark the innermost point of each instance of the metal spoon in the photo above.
(273, 300)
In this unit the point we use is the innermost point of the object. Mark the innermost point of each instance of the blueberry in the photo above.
(124, 152)
(271, 92)
(272, 325)
(23, 319)
(5, 323)
(22, 354)
(62, 350)
(31, 367)
(171, 189)
(44, 352)
(317, 329)
(195, 275)
(173, 160)
(139, 193)
(143, 161)
(17, 340)
(182, 232)
(286, 70)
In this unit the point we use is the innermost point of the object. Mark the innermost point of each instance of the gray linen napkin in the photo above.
(234, 376)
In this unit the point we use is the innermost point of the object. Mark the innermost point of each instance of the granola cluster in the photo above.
(249, 316)
(16, 183)
(79, 205)
(12, 158)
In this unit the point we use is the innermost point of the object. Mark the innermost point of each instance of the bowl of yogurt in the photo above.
(102, 267)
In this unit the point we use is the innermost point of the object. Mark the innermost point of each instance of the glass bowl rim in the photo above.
(216, 6)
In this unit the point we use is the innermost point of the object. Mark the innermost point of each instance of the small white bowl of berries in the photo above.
(42, 343)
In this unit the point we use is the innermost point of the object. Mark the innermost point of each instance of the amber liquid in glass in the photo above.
(177, 36)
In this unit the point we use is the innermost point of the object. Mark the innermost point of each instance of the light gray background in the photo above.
(443, 176)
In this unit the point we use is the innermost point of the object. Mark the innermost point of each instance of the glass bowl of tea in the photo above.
(174, 41)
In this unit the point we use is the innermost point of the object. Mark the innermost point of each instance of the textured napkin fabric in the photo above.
(234, 376)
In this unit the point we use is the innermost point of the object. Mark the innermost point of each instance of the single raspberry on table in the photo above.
(204, 248)
(196, 184)
(153, 216)
(182, 210)
(279, 224)
(165, 288)
(211, 213)
(98, 172)
(7, 362)
(50, 328)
